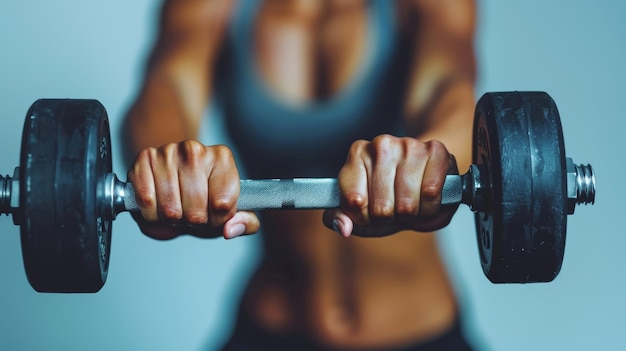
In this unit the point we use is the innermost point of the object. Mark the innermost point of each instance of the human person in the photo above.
(379, 94)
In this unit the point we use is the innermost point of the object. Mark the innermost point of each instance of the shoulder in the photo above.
(195, 15)
(457, 16)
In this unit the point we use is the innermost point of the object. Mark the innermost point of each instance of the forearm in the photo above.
(178, 79)
(160, 115)
(450, 121)
(440, 99)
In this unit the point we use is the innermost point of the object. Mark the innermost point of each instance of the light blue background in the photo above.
(180, 295)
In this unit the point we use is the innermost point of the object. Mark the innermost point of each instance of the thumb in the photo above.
(338, 221)
(242, 223)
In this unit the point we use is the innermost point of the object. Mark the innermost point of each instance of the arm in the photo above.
(177, 82)
(440, 98)
(391, 184)
(183, 187)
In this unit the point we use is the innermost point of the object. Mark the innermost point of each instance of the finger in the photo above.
(193, 183)
(223, 187)
(142, 179)
(242, 223)
(338, 221)
(165, 172)
(437, 167)
(353, 185)
(387, 154)
(408, 180)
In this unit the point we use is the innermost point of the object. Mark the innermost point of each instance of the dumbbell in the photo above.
(64, 195)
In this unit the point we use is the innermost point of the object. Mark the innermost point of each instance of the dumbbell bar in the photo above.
(64, 195)
(323, 193)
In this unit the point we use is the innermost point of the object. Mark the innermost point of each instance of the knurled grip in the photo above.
(298, 193)
(130, 204)
(452, 192)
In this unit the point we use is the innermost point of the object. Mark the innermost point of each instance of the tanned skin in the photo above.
(339, 289)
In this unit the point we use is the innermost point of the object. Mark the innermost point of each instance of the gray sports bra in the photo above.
(278, 140)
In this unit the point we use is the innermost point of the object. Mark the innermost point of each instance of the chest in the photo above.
(307, 134)
(309, 50)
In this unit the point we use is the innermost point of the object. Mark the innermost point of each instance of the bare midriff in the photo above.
(351, 292)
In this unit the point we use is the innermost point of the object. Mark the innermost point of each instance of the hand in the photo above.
(392, 184)
(189, 188)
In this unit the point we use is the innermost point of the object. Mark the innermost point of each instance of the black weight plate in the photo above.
(66, 151)
(518, 144)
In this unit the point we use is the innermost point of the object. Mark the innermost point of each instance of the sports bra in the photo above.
(275, 139)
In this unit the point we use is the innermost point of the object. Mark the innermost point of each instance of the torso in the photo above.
(353, 292)
(342, 292)
(284, 95)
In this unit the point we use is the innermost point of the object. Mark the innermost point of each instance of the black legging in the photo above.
(251, 337)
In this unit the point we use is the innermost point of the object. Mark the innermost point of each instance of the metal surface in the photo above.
(581, 185)
(452, 192)
(10, 195)
(65, 196)
(474, 191)
(268, 194)
(5, 195)
(113, 196)
(298, 193)
(322, 193)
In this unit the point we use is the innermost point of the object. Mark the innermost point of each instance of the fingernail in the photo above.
(338, 226)
(236, 230)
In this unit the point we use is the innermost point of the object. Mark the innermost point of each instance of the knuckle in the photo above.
(415, 148)
(384, 142)
(222, 204)
(196, 217)
(191, 149)
(382, 208)
(167, 151)
(407, 207)
(430, 192)
(145, 155)
(355, 201)
(145, 198)
(383, 138)
(170, 212)
(387, 148)
(436, 147)
(411, 143)
(357, 148)
(222, 153)
(191, 153)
